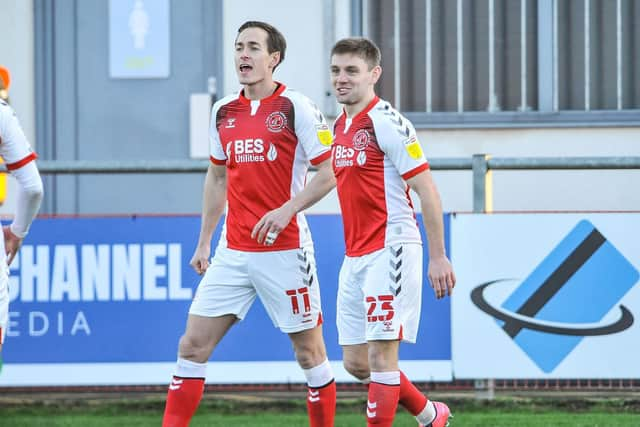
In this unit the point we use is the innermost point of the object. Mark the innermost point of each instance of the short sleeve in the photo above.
(397, 138)
(14, 147)
(312, 130)
(216, 151)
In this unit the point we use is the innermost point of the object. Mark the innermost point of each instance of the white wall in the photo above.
(305, 67)
(16, 53)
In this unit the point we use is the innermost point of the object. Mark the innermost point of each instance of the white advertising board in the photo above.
(546, 295)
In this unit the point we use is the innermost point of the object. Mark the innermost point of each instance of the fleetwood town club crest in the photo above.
(361, 140)
(276, 121)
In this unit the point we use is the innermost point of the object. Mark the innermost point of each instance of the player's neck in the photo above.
(260, 90)
(353, 110)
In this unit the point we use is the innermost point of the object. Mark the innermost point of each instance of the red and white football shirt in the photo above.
(267, 146)
(14, 148)
(16, 152)
(373, 154)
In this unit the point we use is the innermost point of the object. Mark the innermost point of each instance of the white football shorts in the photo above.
(285, 281)
(4, 302)
(379, 295)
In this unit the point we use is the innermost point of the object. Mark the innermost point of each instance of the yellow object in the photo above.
(488, 185)
(412, 145)
(324, 135)
(3, 185)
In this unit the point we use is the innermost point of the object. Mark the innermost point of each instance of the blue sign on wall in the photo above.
(118, 290)
(139, 38)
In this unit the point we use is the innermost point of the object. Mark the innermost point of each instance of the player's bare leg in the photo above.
(196, 345)
(355, 359)
(202, 335)
(311, 355)
(309, 347)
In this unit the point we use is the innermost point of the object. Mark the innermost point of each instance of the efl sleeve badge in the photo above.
(324, 134)
(412, 145)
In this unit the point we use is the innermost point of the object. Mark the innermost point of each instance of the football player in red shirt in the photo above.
(16, 152)
(377, 158)
(262, 142)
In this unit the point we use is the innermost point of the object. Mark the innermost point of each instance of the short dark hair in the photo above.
(275, 40)
(359, 46)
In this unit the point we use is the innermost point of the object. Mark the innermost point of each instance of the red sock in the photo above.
(321, 405)
(410, 397)
(182, 401)
(382, 404)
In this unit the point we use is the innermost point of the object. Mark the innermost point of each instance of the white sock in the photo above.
(388, 378)
(188, 369)
(319, 376)
(428, 414)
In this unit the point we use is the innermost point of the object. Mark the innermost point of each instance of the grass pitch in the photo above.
(240, 411)
(491, 418)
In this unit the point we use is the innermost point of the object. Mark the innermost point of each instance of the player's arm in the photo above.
(440, 271)
(278, 219)
(213, 201)
(19, 158)
(315, 138)
(28, 198)
(319, 186)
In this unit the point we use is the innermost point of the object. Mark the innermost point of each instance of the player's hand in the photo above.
(200, 259)
(271, 224)
(441, 276)
(12, 243)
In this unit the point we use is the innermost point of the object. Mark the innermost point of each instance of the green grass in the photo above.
(219, 412)
(493, 419)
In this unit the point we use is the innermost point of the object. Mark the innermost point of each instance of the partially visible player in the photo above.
(19, 160)
(377, 158)
(262, 141)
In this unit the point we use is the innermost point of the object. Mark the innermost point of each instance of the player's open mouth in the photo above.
(342, 90)
(245, 68)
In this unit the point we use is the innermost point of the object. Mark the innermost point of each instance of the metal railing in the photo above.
(481, 166)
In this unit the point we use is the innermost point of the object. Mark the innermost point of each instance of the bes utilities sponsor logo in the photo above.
(343, 156)
(250, 151)
(565, 298)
